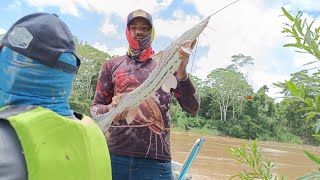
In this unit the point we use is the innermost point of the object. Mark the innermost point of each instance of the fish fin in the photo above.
(131, 115)
(170, 83)
(187, 48)
(157, 56)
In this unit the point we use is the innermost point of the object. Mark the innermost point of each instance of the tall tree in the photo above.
(239, 61)
(226, 86)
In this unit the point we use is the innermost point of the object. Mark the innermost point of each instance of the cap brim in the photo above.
(69, 68)
(142, 17)
(139, 14)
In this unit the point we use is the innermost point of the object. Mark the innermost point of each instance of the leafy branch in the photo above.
(250, 154)
(307, 40)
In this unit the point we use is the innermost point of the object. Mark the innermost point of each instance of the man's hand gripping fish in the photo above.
(162, 76)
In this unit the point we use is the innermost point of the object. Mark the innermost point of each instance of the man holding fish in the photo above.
(139, 136)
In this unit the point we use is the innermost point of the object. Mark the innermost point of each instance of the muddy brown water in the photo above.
(214, 161)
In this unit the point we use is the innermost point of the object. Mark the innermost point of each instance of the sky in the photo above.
(249, 27)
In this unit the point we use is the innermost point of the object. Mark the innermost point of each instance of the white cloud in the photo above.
(115, 51)
(175, 27)
(108, 28)
(264, 78)
(302, 5)
(66, 7)
(246, 28)
(126, 6)
(2, 31)
(105, 8)
(14, 6)
(115, 8)
(119, 51)
(300, 60)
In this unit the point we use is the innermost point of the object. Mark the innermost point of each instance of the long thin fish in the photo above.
(167, 63)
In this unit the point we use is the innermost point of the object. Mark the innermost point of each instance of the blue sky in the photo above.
(249, 27)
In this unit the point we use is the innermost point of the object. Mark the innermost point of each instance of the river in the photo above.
(214, 161)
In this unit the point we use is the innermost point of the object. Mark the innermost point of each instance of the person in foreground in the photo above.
(40, 136)
(140, 148)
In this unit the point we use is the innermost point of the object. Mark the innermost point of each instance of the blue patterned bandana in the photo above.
(27, 82)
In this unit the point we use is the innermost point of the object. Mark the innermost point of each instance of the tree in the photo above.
(240, 61)
(226, 86)
(86, 79)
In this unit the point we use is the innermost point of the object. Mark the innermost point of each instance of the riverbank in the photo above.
(287, 138)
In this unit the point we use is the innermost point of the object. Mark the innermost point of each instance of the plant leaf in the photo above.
(287, 14)
(309, 176)
(304, 109)
(292, 45)
(298, 25)
(311, 156)
(302, 91)
(293, 89)
(309, 102)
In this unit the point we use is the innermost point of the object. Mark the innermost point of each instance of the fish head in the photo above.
(194, 32)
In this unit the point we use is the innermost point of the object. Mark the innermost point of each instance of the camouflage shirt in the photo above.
(149, 133)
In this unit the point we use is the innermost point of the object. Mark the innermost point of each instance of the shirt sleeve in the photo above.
(187, 96)
(104, 91)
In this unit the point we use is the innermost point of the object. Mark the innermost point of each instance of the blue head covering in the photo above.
(24, 81)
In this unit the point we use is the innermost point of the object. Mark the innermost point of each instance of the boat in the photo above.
(179, 171)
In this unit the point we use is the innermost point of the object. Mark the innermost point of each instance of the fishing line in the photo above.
(224, 7)
(194, 55)
(209, 27)
(195, 51)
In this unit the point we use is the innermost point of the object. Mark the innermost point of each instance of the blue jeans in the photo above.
(134, 168)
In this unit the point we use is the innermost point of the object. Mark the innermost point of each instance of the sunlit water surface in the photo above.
(214, 161)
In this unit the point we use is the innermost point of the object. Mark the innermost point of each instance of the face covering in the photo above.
(140, 50)
(27, 82)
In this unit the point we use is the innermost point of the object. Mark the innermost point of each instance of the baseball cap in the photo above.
(139, 13)
(42, 37)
